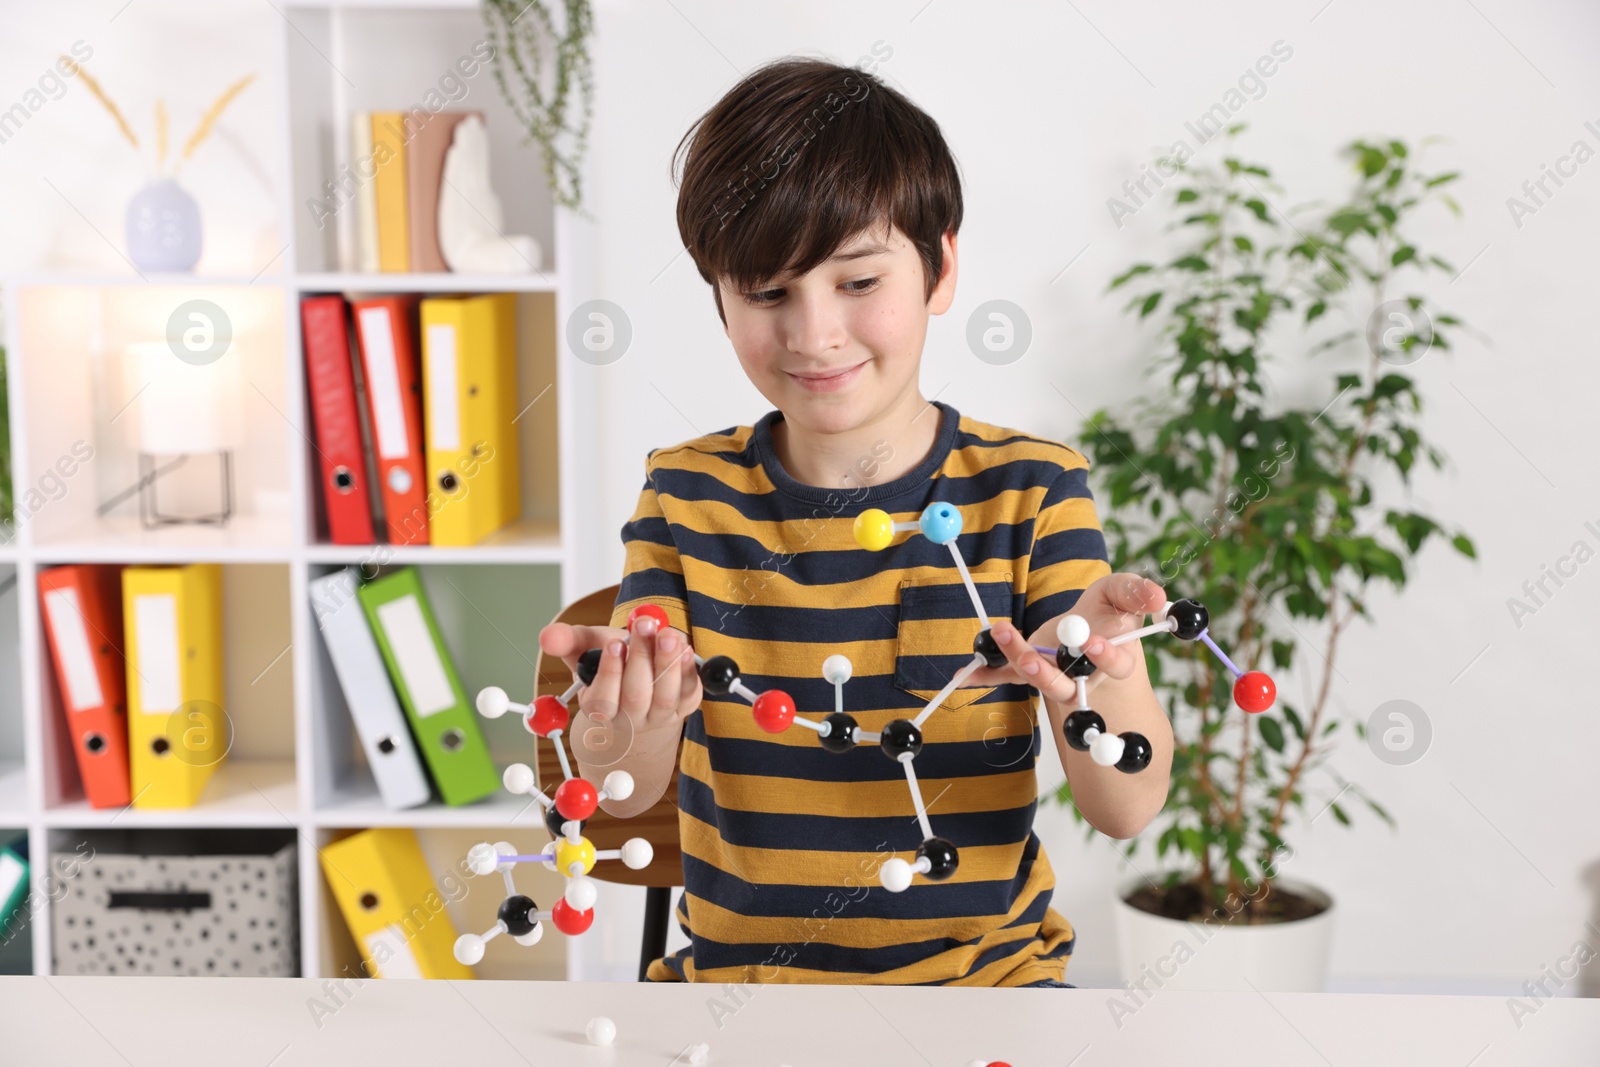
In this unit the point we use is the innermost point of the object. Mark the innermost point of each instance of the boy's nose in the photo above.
(813, 330)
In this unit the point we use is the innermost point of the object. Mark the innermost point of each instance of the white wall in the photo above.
(1496, 863)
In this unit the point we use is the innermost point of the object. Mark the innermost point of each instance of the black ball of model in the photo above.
(986, 646)
(718, 674)
(1077, 723)
(554, 821)
(588, 664)
(941, 856)
(1135, 753)
(1079, 666)
(1191, 617)
(516, 912)
(841, 735)
(901, 740)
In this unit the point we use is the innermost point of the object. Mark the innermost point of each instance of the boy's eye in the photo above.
(769, 296)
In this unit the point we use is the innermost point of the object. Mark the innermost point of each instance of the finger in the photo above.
(556, 640)
(691, 693)
(669, 650)
(1116, 660)
(1033, 668)
(602, 698)
(1037, 670)
(638, 668)
(1136, 595)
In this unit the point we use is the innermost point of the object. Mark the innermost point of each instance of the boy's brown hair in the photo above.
(800, 156)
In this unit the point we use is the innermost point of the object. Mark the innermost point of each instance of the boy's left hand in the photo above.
(1115, 604)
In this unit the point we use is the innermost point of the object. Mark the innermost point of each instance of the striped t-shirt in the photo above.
(781, 839)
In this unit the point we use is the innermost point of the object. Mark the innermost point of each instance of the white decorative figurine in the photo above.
(471, 220)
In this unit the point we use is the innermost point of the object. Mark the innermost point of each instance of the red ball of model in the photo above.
(570, 920)
(774, 711)
(576, 799)
(548, 716)
(1254, 691)
(650, 611)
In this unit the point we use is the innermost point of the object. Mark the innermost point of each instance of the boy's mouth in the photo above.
(827, 381)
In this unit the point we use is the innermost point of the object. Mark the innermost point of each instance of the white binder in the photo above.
(385, 735)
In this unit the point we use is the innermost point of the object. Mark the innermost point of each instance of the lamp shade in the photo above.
(183, 407)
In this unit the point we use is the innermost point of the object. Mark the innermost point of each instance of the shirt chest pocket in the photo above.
(933, 639)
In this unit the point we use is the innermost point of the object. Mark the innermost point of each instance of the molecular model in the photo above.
(570, 853)
(901, 740)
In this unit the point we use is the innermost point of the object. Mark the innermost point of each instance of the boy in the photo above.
(822, 207)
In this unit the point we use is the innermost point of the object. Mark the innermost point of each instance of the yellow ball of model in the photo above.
(874, 529)
(568, 854)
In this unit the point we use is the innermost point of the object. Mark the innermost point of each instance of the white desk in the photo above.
(255, 1022)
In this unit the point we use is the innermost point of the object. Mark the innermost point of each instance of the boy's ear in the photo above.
(944, 293)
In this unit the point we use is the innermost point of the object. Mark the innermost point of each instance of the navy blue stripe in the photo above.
(813, 832)
(802, 561)
(812, 950)
(977, 758)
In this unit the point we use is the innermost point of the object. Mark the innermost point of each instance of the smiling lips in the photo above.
(827, 383)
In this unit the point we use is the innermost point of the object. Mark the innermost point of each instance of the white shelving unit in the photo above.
(295, 764)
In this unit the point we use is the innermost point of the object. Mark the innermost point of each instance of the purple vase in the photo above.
(163, 228)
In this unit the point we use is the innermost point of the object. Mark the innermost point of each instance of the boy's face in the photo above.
(840, 347)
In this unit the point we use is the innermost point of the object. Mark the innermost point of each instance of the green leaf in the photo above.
(1243, 243)
(1339, 813)
(1401, 255)
(1294, 721)
(1187, 195)
(1463, 545)
(1271, 732)
(1149, 304)
(1450, 176)
(1191, 263)
(1259, 207)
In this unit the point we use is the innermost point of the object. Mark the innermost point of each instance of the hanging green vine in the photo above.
(520, 31)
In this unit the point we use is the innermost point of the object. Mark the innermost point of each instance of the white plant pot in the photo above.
(1161, 953)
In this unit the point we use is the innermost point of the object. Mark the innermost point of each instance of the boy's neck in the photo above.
(873, 453)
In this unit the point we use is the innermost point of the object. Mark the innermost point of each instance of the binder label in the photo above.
(416, 656)
(383, 383)
(389, 949)
(71, 631)
(155, 619)
(444, 411)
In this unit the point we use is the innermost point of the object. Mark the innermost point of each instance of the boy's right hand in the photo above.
(652, 679)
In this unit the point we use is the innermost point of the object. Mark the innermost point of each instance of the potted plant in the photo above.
(554, 102)
(1270, 515)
